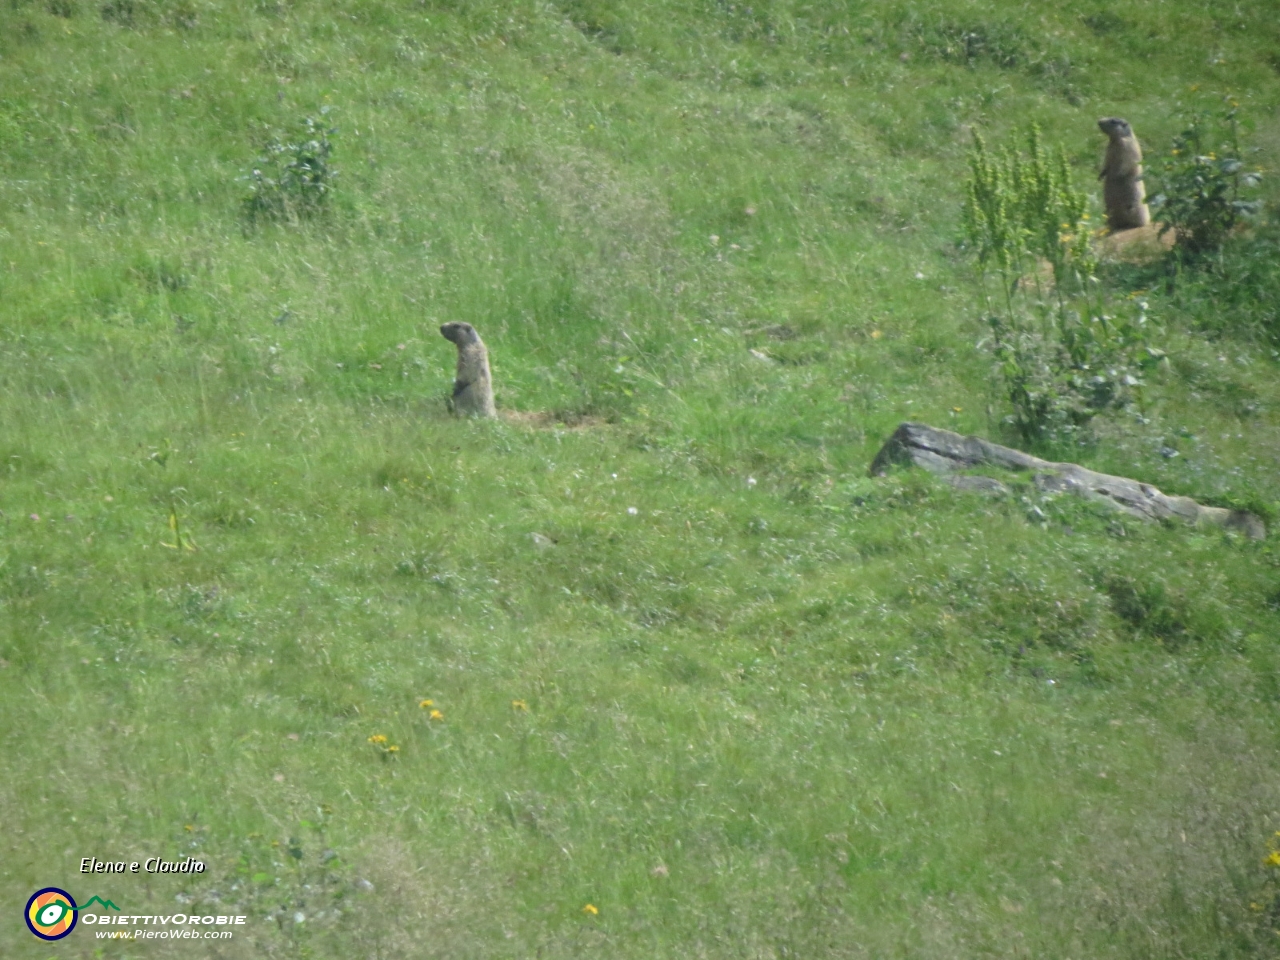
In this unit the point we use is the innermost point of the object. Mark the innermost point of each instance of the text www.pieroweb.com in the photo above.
(172, 927)
(165, 934)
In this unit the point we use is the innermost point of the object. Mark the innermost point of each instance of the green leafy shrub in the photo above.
(293, 178)
(1241, 296)
(1018, 208)
(1059, 377)
(1061, 358)
(1201, 185)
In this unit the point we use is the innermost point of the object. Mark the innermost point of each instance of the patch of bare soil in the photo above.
(1138, 245)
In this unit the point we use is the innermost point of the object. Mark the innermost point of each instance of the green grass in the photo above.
(774, 708)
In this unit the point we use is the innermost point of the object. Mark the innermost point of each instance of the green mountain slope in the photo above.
(648, 667)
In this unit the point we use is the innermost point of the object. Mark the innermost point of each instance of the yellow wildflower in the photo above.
(1274, 859)
(876, 334)
(591, 910)
(393, 749)
(426, 703)
(435, 715)
(378, 738)
(519, 705)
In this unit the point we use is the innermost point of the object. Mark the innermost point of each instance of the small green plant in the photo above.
(1201, 185)
(293, 178)
(1019, 208)
(1058, 377)
(1060, 356)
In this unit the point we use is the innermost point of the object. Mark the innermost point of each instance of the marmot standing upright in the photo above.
(472, 387)
(1122, 191)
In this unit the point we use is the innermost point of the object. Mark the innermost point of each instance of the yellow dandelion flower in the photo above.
(426, 703)
(1274, 859)
(1084, 216)
(378, 738)
(519, 705)
(435, 715)
(876, 334)
(188, 828)
(393, 749)
(956, 409)
(591, 910)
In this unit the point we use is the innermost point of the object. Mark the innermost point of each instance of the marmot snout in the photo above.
(472, 386)
(1122, 189)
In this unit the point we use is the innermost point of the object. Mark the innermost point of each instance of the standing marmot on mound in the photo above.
(472, 387)
(1122, 190)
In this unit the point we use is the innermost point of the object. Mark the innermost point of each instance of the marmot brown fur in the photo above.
(1122, 189)
(472, 387)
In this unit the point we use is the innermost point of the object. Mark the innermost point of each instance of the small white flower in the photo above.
(751, 481)
(633, 511)
(714, 239)
(919, 275)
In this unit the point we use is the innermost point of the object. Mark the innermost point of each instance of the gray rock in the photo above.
(945, 453)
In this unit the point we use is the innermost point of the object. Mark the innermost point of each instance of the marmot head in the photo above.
(1114, 127)
(460, 333)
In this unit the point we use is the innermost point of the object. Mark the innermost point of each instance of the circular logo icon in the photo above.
(51, 913)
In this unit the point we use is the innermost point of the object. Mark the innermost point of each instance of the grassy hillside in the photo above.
(688, 664)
